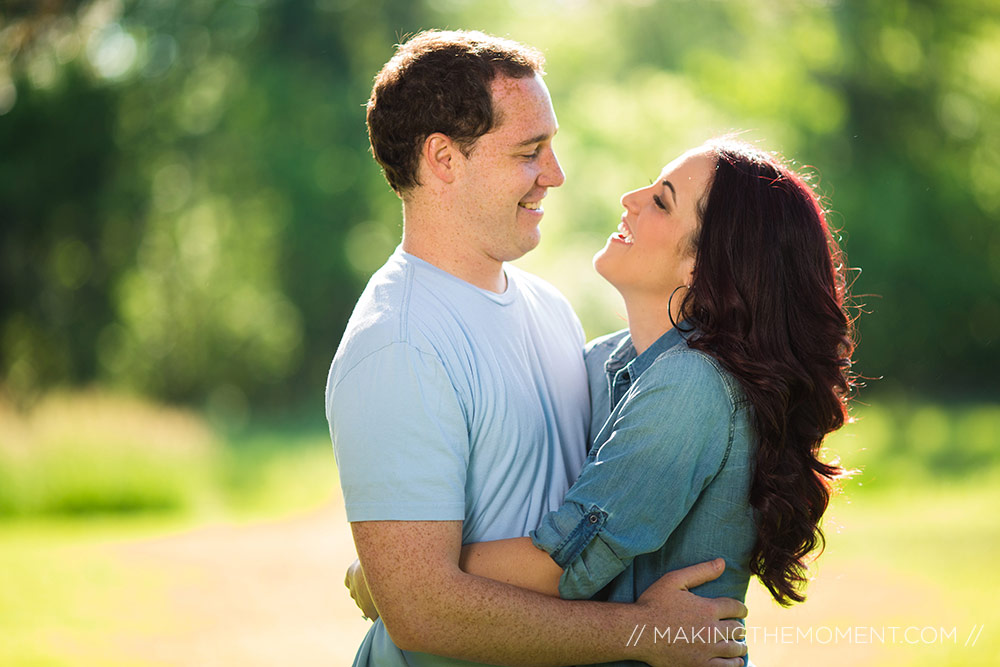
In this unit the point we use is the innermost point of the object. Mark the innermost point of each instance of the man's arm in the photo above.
(429, 605)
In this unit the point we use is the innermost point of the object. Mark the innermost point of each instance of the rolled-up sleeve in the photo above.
(671, 435)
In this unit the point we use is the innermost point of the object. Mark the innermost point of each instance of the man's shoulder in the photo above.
(407, 302)
(391, 311)
(376, 318)
(379, 334)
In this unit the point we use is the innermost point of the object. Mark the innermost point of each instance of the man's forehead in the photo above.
(506, 85)
(525, 109)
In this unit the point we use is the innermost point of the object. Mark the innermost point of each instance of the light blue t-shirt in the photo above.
(450, 402)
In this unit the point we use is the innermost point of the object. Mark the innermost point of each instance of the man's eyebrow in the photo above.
(537, 139)
(672, 191)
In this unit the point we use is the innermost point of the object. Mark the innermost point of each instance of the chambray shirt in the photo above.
(666, 482)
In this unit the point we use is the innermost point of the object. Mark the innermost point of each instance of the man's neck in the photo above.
(436, 242)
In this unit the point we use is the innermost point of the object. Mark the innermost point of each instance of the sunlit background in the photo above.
(188, 211)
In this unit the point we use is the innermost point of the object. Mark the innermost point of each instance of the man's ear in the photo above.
(441, 157)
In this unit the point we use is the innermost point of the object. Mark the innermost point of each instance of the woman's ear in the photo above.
(441, 157)
(687, 269)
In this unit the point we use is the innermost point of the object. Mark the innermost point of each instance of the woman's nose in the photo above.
(629, 200)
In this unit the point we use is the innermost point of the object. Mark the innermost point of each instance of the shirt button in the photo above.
(593, 518)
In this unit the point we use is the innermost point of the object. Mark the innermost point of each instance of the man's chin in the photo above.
(524, 245)
(530, 243)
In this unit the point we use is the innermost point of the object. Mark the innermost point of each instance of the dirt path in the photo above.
(271, 593)
(267, 593)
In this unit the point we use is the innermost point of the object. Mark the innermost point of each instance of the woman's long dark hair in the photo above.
(768, 299)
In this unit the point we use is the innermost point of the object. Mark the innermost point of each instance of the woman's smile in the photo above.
(624, 234)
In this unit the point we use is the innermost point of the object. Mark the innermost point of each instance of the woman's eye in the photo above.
(659, 202)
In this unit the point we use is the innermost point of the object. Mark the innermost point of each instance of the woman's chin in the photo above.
(599, 257)
(603, 264)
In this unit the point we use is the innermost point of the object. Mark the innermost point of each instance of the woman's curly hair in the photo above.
(768, 298)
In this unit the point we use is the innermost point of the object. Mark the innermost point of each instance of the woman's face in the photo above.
(652, 254)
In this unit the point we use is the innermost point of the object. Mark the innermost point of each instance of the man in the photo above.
(457, 400)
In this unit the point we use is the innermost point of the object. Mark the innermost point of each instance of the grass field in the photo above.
(247, 569)
(906, 579)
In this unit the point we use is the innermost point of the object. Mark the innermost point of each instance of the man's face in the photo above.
(510, 170)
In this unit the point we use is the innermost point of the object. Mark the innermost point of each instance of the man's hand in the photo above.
(692, 630)
(428, 604)
(355, 582)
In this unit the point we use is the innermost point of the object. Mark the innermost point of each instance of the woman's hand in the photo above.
(355, 582)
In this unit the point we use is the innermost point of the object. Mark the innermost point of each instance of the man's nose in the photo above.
(552, 175)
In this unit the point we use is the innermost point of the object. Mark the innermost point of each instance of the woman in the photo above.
(709, 412)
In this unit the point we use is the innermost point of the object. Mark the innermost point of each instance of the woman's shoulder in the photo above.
(602, 347)
(691, 370)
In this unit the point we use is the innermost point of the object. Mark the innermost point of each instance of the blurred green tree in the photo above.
(181, 185)
(187, 205)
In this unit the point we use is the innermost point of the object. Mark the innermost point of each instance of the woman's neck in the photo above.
(650, 316)
(648, 319)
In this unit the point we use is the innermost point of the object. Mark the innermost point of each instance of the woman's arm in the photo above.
(514, 561)
(663, 444)
(668, 440)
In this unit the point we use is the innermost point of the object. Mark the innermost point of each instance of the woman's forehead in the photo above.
(691, 169)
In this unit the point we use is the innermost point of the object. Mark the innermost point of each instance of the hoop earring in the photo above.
(670, 305)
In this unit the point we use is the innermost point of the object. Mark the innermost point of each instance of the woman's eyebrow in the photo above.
(672, 191)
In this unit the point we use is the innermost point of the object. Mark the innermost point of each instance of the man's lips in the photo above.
(533, 202)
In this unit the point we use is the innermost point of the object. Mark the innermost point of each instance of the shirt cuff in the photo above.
(572, 537)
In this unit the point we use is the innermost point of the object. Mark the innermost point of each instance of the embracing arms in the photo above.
(426, 601)
(428, 604)
(515, 561)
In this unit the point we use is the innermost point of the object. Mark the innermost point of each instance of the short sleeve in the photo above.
(671, 435)
(400, 438)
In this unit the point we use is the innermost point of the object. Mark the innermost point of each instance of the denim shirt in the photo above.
(666, 482)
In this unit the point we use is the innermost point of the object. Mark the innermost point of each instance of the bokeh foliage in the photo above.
(187, 207)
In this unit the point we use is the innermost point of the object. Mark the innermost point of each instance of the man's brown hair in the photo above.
(439, 81)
